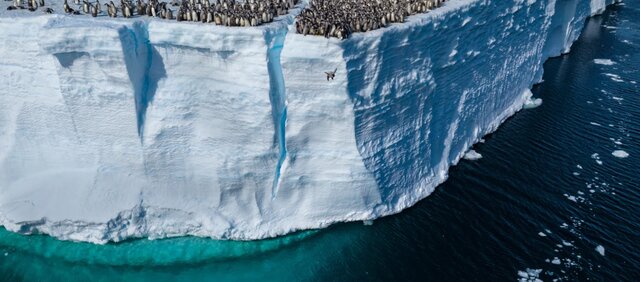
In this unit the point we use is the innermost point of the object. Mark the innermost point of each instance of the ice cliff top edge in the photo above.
(328, 18)
(117, 128)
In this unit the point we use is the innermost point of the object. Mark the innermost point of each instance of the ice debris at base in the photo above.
(472, 155)
(600, 250)
(149, 128)
(620, 154)
(530, 102)
(605, 62)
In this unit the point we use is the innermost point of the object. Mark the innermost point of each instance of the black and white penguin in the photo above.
(331, 74)
(66, 8)
(85, 7)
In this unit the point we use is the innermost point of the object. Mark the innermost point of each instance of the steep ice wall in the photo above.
(111, 129)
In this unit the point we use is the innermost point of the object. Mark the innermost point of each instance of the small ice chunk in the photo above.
(523, 274)
(595, 123)
(566, 243)
(466, 21)
(531, 103)
(472, 155)
(579, 166)
(605, 62)
(614, 77)
(620, 154)
(541, 234)
(555, 260)
(576, 173)
(600, 250)
(570, 197)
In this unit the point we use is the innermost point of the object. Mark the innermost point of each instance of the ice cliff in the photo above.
(113, 129)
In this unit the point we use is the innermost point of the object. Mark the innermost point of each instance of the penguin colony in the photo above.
(341, 18)
(220, 12)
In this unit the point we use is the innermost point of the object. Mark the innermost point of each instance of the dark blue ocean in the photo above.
(549, 200)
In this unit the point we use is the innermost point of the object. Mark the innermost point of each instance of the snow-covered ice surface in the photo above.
(119, 128)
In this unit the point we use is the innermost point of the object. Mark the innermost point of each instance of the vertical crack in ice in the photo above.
(145, 68)
(277, 95)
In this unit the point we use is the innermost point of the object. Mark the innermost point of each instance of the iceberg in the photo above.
(125, 128)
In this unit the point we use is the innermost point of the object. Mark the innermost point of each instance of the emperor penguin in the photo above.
(66, 7)
(331, 74)
(85, 7)
(126, 11)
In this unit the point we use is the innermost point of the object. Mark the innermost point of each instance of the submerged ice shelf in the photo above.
(113, 129)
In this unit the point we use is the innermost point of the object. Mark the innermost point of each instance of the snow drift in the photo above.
(113, 129)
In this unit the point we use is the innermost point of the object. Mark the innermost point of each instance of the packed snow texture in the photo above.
(119, 128)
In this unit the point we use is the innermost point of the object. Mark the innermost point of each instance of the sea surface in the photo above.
(556, 195)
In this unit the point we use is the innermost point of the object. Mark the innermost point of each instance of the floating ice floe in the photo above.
(600, 250)
(530, 102)
(472, 155)
(555, 260)
(596, 157)
(541, 234)
(529, 275)
(605, 62)
(614, 77)
(620, 154)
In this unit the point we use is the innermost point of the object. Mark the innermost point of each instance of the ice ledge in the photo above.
(298, 166)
